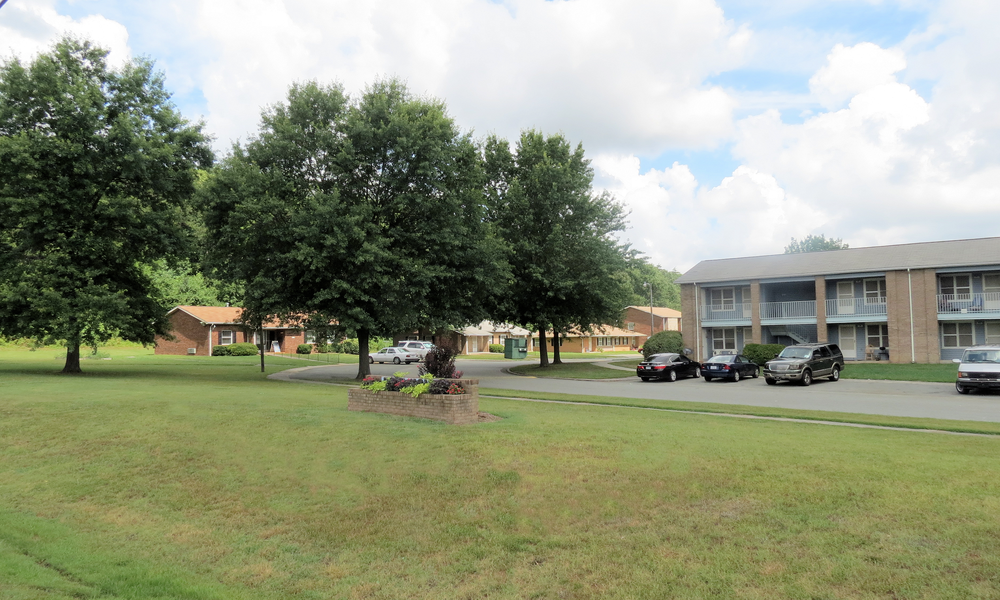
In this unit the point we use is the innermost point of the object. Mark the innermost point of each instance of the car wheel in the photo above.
(807, 377)
(756, 372)
(736, 375)
(371, 360)
(395, 360)
(770, 381)
(835, 376)
(697, 371)
(644, 378)
(707, 378)
(961, 389)
(673, 375)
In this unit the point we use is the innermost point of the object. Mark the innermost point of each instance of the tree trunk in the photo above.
(364, 370)
(542, 350)
(555, 348)
(262, 349)
(72, 359)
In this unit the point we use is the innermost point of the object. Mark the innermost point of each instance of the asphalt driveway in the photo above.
(894, 398)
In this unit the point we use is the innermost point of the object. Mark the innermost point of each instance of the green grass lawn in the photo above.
(627, 363)
(571, 371)
(943, 373)
(175, 477)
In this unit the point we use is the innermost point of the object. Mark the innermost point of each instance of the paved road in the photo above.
(903, 399)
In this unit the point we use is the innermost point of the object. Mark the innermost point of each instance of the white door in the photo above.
(848, 341)
(991, 292)
(845, 297)
(474, 342)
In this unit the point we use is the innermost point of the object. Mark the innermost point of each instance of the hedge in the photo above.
(496, 348)
(663, 341)
(304, 349)
(243, 349)
(761, 353)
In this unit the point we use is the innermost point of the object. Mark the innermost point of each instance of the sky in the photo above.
(726, 127)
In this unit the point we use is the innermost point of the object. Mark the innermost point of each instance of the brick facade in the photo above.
(187, 331)
(690, 325)
(641, 322)
(454, 409)
(925, 347)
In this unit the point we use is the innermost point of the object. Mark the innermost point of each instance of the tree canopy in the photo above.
(363, 211)
(814, 243)
(96, 167)
(665, 291)
(567, 268)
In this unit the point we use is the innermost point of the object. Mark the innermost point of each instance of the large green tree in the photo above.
(567, 268)
(814, 243)
(96, 166)
(366, 212)
(643, 274)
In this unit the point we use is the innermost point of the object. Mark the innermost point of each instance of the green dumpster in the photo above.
(515, 348)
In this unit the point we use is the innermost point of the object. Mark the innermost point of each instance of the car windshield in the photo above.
(796, 353)
(722, 358)
(981, 356)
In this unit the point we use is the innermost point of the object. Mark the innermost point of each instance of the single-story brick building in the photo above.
(197, 329)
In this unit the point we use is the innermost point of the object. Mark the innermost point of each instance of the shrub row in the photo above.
(761, 353)
(240, 349)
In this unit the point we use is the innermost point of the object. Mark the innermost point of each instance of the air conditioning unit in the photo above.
(192, 351)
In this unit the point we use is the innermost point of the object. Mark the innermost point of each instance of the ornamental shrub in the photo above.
(761, 353)
(496, 348)
(243, 349)
(440, 362)
(350, 346)
(663, 341)
(220, 350)
(304, 349)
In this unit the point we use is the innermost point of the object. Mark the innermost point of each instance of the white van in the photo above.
(978, 369)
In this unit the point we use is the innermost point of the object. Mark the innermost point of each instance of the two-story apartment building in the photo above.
(923, 302)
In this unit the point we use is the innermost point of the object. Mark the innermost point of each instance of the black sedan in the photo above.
(667, 366)
(729, 366)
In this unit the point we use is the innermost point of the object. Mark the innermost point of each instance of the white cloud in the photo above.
(26, 29)
(854, 69)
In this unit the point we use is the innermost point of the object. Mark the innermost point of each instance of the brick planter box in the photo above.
(454, 409)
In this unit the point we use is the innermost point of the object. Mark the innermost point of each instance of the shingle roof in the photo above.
(923, 255)
(223, 315)
(660, 311)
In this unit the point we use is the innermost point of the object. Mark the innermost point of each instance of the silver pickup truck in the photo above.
(978, 369)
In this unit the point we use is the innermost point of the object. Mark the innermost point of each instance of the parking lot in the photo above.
(895, 398)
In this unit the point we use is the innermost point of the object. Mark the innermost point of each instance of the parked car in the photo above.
(978, 369)
(805, 362)
(393, 355)
(667, 366)
(728, 366)
(418, 347)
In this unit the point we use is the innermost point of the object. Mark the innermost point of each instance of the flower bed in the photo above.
(457, 405)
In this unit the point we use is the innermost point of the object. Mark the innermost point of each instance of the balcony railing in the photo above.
(861, 307)
(969, 303)
(787, 310)
(726, 312)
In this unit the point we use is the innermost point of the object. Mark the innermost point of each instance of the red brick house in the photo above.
(197, 329)
(637, 319)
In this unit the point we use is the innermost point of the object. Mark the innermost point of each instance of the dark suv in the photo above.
(805, 362)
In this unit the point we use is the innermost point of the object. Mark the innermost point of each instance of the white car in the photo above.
(418, 347)
(978, 369)
(393, 355)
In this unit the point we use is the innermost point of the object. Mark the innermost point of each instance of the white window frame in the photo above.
(954, 339)
(631, 326)
(223, 335)
(720, 301)
(991, 288)
(956, 290)
(876, 296)
(309, 337)
(719, 334)
(745, 294)
(882, 337)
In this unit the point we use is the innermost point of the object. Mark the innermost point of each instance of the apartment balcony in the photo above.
(958, 307)
(727, 314)
(799, 311)
(851, 310)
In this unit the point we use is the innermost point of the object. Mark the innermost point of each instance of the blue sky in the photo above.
(726, 126)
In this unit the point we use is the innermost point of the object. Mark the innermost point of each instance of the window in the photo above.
(226, 337)
(878, 335)
(993, 332)
(874, 291)
(310, 337)
(721, 298)
(631, 326)
(991, 283)
(723, 340)
(956, 335)
(745, 294)
(956, 285)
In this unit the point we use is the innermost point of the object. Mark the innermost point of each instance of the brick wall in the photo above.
(456, 409)
(926, 346)
(690, 327)
(821, 330)
(188, 332)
